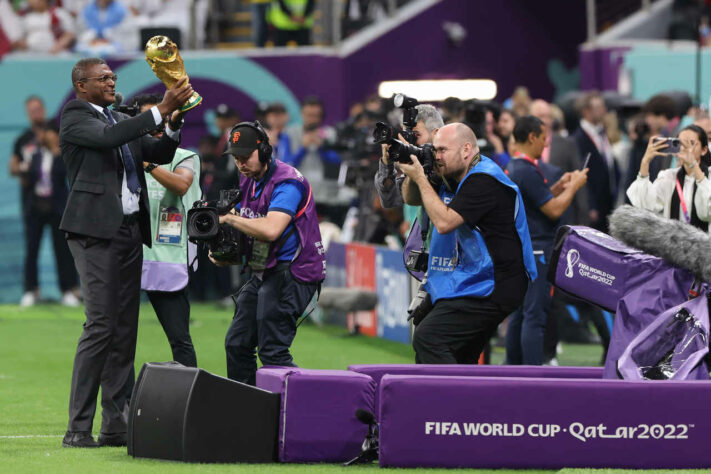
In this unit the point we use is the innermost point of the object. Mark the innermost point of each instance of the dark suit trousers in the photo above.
(173, 311)
(41, 214)
(110, 274)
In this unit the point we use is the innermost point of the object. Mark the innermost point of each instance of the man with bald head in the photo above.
(481, 258)
(561, 152)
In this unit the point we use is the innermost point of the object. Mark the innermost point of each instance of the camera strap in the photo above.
(424, 228)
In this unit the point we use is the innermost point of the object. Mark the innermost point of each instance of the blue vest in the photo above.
(460, 264)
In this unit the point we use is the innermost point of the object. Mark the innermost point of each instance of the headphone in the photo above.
(264, 148)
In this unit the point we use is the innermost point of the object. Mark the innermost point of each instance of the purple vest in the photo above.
(309, 263)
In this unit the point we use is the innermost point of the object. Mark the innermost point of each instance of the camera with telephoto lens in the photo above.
(400, 152)
(224, 241)
(409, 120)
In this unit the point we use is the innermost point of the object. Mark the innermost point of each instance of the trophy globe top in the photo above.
(161, 48)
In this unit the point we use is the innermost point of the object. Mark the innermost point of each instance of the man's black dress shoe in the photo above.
(112, 439)
(79, 439)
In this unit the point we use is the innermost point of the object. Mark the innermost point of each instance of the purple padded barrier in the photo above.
(493, 422)
(317, 422)
(377, 371)
(597, 268)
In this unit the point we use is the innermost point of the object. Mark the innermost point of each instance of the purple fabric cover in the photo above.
(317, 420)
(640, 307)
(413, 242)
(543, 423)
(686, 342)
(597, 268)
(377, 371)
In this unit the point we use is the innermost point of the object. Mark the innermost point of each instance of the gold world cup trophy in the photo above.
(164, 58)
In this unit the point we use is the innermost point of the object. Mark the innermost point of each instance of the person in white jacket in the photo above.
(683, 192)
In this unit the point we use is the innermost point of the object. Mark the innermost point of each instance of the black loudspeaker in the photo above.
(187, 414)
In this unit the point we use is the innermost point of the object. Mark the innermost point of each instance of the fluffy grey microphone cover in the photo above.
(681, 244)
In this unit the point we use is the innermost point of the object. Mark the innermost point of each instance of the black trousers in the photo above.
(265, 318)
(41, 214)
(301, 36)
(110, 274)
(455, 331)
(173, 311)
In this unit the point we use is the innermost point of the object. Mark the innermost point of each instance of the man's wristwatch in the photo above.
(175, 126)
(150, 167)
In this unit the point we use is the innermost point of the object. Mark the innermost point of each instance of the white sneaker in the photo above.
(28, 299)
(68, 299)
(553, 362)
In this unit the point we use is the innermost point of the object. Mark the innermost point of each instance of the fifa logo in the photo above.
(572, 258)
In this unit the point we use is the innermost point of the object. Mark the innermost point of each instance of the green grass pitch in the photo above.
(36, 352)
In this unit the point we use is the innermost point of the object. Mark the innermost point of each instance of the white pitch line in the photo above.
(31, 436)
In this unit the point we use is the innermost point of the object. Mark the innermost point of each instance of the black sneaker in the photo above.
(112, 439)
(79, 439)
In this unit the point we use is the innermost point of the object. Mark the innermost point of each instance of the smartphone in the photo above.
(587, 160)
(673, 145)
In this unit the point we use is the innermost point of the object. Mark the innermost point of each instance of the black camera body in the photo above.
(400, 152)
(417, 261)
(225, 242)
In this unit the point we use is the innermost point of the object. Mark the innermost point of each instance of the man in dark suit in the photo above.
(562, 152)
(604, 174)
(106, 220)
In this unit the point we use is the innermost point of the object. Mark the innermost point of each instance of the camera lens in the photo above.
(204, 223)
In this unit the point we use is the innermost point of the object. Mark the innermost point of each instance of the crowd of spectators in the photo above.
(341, 160)
(104, 27)
(94, 27)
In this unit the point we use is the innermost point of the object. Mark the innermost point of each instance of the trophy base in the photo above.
(193, 101)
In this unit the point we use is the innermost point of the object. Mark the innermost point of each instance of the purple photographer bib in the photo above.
(309, 263)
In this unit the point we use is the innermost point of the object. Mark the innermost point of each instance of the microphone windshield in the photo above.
(679, 243)
(118, 99)
(365, 416)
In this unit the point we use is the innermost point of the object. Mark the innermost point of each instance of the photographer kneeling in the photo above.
(283, 249)
(481, 259)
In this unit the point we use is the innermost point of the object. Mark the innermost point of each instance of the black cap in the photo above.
(242, 141)
(225, 111)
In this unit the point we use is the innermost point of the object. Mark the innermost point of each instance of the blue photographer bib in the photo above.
(459, 262)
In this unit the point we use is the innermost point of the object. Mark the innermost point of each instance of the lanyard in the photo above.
(533, 162)
(680, 193)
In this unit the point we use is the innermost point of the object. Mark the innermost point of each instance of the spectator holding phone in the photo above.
(682, 193)
(311, 151)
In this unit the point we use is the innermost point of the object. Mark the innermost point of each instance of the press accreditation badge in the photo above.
(260, 252)
(170, 226)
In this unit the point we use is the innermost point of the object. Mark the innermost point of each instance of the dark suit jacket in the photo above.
(602, 184)
(90, 149)
(58, 177)
(564, 155)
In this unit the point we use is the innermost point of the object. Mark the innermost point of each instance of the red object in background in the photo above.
(360, 273)
(5, 45)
